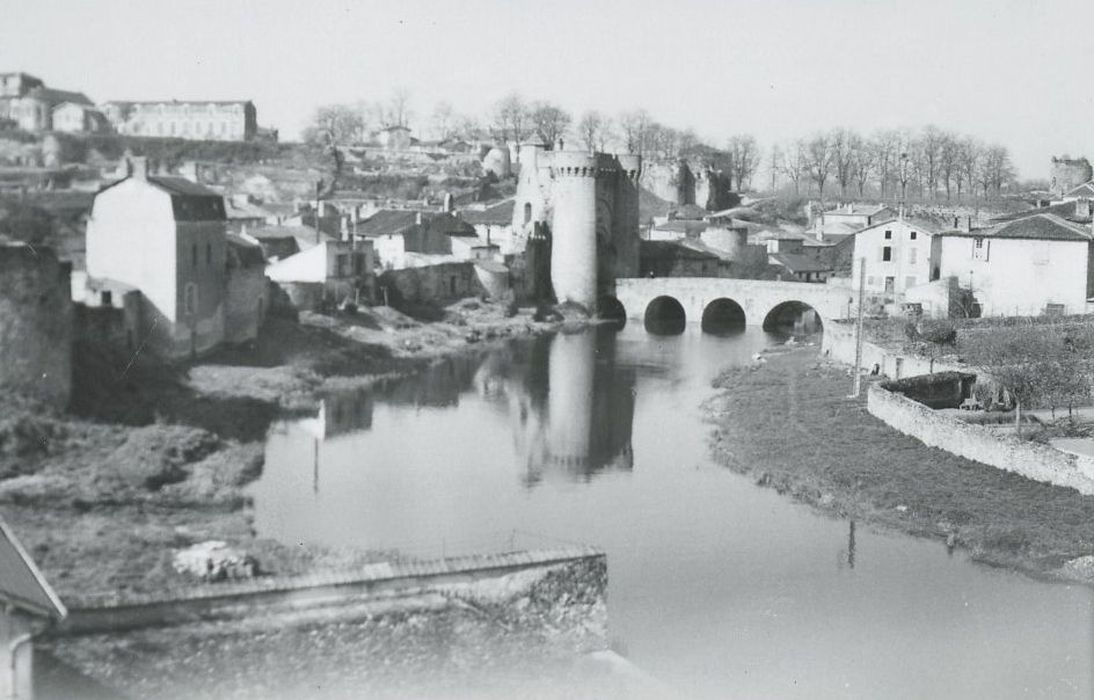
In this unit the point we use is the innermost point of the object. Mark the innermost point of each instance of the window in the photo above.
(912, 235)
(527, 212)
(887, 254)
(107, 297)
(341, 263)
(888, 235)
(980, 248)
(1054, 309)
(890, 284)
(190, 298)
(194, 255)
(359, 263)
(912, 254)
(452, 283)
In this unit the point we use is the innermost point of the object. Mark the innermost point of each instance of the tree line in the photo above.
(929, 163)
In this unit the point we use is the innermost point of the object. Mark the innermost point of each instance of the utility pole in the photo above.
(857, 385)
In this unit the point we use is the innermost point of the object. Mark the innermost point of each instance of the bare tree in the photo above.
(444, 120)
(550, 122)
(773, 165)
(949, 163)
(399, 112)
(818, 154)
(886, 156)
(863, 164)
(795, 163)
(844, 145)
(590, 129)
(745, 155)
(335, 125)
(634, 128)
(510, 122)
(968, 160)
(931, 145)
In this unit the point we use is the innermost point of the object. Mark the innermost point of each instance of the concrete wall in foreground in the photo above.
(978, 443)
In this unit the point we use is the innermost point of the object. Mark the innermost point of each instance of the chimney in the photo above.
(1082, 208)
(418, 219)
(956, 223)
(138, 168)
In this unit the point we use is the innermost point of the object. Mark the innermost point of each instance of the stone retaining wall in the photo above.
(978, 443)
(236, 600)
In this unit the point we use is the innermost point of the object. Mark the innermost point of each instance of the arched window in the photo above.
(527, 212)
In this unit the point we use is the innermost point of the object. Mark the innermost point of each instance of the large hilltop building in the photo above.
(199, 120)
(583, 207)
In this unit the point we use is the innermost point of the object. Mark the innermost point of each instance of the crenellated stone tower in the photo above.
(587, 204)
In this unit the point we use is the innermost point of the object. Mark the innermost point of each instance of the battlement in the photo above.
(575, 164)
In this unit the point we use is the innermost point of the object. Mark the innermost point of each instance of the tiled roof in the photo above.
(21, 583)
(387, 222)
(56, 97)
(1043, 227)
(180, 185)
(800, 263)
(686, 226)
(676, 249)
(1084, 190)
(1064, 210)
(499, 214)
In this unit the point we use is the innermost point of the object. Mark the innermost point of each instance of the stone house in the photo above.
(33, 111)
(28, 606)
(674, 259)
(834, 224)
(409, 239)
(494, 225)
(166, 237)
(333, 271)
(1039, 264)
(247, 290)
(77, 118)
(797, 267)
(897, 255)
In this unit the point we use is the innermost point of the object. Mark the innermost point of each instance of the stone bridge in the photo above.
(752, 302)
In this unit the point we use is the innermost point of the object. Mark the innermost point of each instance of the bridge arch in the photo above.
(793, 316)
(722, 316)
(665, 315)
(611, 309)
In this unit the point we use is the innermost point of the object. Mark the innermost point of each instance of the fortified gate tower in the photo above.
(588, 204)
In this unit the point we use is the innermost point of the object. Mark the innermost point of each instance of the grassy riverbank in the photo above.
(791, 415)
(153, 458)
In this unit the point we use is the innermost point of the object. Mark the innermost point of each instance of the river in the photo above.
(717, 587)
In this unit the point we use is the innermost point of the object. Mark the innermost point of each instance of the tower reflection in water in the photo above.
(567, 400)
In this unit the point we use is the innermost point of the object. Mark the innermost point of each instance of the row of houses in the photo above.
(28, 104)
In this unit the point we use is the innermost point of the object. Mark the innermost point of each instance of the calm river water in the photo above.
(717, 587)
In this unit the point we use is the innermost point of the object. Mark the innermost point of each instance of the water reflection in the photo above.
(569, 403)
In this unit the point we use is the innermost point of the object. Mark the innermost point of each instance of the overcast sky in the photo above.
(1010, 71)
